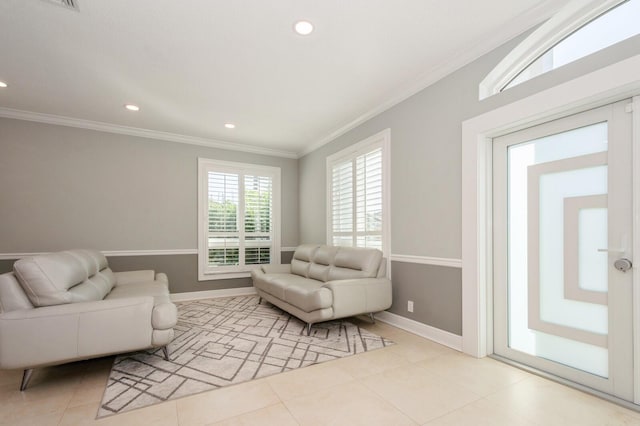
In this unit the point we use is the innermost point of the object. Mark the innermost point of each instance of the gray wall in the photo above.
(65, 187)
(435, 301)
(426, 132)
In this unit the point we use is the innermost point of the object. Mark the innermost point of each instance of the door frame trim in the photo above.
(610, 84)
(635, 170)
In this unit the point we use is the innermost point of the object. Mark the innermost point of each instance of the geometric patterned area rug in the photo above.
(225, 341)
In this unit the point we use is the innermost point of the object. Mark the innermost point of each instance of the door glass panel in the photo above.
(592, 235)
(557, 221)
(555, 306)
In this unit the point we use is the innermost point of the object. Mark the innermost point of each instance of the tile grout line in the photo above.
(281, 401)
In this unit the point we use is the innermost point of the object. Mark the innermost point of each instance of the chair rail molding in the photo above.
(109, 253)
(426, 260)
(112, 253)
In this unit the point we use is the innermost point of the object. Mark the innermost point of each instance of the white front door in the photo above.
(562, 220)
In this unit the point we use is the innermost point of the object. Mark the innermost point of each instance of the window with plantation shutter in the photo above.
(238, 216)
(357, 182)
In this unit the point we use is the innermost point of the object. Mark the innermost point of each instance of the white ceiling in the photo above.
(194, 65)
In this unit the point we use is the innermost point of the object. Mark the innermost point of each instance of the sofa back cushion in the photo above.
(327, 263)
(104, 279)
(64, 277)
(322, 261)
(352, 262)
(302, 259)
(12, 297)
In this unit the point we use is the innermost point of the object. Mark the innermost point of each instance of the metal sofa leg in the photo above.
(372, 318)
(309, 329)
(26, 377)
(165, 351)
(259, 300)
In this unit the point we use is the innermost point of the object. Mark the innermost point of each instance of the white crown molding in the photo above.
(142, 133)
(425, 260)
(432, 333)
(510, 30)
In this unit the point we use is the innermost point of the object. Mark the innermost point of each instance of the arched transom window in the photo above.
(578, 30)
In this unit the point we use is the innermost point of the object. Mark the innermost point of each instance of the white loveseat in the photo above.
(68, 306)
(326, 282)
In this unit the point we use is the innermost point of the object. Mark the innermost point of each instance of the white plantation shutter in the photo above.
(342, 204)
(258, 196)
(356, 195)
(368, 204)
(238, 217)
(223, 235)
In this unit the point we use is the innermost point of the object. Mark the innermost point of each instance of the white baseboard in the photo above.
(210, 294)
(440, 336)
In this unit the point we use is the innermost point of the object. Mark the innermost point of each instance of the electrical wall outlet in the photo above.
(410, 306)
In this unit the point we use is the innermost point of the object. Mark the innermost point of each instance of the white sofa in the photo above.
(69, 306)
(325, 282)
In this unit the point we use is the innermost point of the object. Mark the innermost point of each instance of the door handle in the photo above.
(606, 250)
(622, 264)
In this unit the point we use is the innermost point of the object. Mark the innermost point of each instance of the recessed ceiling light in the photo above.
(230, 125)
(132, 107)
(3, 84)
(303, 27)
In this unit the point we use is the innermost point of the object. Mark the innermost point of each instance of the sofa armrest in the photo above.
(161, 276)
(165, 316)
(61, 333)
(276, 268)
(360, 295)
(128, 277)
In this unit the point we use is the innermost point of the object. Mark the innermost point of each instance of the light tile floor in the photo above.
(415, 382)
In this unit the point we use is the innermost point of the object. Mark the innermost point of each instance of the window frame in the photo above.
(567, 21)
(206, 165)
(382, 140)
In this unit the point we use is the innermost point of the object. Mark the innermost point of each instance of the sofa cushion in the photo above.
(275, 284)
(64, 277)
(46, 278)
(99, 258)
(322, 261)
(352, 262)
(305, 252)
(302, 259)
(101, 280)
(12, 297)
